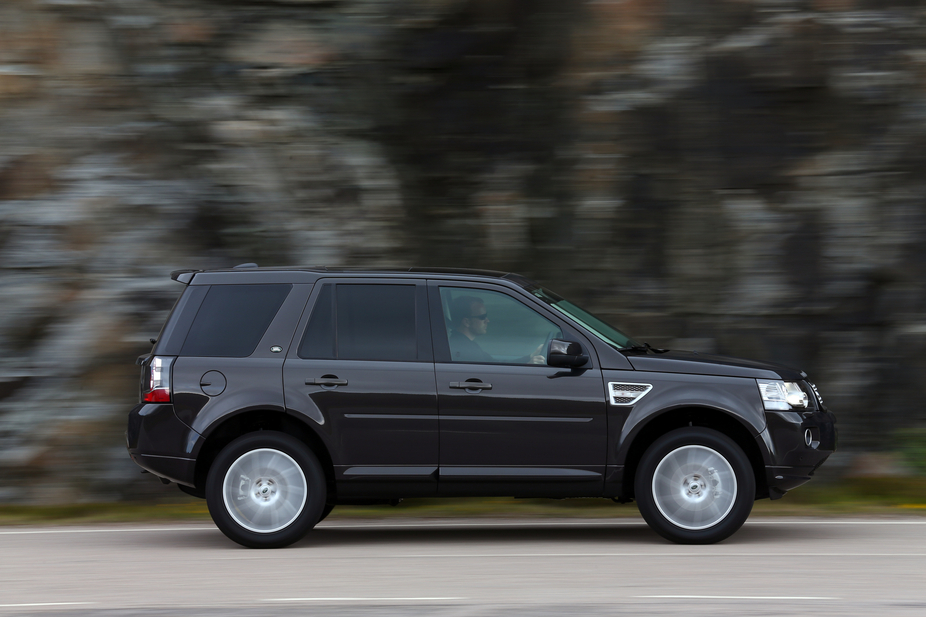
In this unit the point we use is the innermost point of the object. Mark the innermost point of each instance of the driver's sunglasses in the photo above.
(480, 317)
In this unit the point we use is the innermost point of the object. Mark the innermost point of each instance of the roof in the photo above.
(186, 276)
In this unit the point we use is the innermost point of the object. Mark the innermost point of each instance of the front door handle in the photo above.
(470, 385)
(326, 381)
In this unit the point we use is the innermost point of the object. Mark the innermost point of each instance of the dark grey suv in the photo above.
(279, 393)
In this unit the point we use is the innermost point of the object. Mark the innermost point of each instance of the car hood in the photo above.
(694, 363)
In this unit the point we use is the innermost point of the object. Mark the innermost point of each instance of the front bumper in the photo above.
(158, 442)
(792, 461)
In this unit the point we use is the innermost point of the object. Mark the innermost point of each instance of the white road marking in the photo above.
(24, 532)
(750, 554)
(741, 597)
(361, 599)
(525, 524)
(803, 521)
(44, 604)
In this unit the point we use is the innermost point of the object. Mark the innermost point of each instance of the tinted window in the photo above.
(318, 341)
(493, 328)
(365, 322)
(376, 322)
(232, 319)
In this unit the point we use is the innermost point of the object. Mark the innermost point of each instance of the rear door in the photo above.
(363, 372)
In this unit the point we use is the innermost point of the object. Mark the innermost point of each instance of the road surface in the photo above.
(468, 567)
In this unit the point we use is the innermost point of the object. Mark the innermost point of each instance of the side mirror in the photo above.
(565, 354)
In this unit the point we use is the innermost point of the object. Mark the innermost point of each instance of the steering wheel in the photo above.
(546, 347)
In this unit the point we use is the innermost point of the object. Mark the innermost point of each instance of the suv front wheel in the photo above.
(695, 486)
(265, 490)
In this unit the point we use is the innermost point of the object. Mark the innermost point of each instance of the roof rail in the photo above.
(244, 266)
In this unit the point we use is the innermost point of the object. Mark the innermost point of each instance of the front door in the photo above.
(363, 373)
(510, 424)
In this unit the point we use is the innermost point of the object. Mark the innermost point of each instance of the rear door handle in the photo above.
(326, 381)
(470, 385)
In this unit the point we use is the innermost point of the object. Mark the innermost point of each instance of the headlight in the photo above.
(781, 395)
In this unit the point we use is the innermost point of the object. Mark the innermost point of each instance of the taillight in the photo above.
(157, 390)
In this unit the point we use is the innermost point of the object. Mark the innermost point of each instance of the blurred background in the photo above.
(743, 177)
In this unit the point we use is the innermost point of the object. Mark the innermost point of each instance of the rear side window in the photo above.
(232, 320)
(363, 322)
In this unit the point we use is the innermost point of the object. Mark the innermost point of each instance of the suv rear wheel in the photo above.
(265, 490)
(695, 486)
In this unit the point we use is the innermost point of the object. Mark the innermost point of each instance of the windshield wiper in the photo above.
(645, 347)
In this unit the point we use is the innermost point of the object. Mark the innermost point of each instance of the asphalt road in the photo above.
(530, 567)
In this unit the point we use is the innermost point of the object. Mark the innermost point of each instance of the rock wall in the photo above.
(738, 176)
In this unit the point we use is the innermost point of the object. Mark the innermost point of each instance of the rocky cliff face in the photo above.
(735, 176)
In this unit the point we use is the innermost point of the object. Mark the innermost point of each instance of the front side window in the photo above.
(362, 322)
(491, 327)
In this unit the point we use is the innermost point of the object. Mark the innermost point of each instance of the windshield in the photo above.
(603, 330)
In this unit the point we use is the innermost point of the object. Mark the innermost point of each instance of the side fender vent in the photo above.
(627, 393)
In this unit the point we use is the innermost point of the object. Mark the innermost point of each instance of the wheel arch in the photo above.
(705, 417)
(251, 421)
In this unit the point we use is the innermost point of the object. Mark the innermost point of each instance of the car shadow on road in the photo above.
(466, 536)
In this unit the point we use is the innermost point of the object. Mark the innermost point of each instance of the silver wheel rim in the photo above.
(264, 490)
(694, 487)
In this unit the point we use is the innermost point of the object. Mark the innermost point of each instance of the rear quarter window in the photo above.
(232, 319)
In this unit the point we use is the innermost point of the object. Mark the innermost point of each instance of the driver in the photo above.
(470, 319)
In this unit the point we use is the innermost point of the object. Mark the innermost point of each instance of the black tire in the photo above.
(265, 490)
(695, 486)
